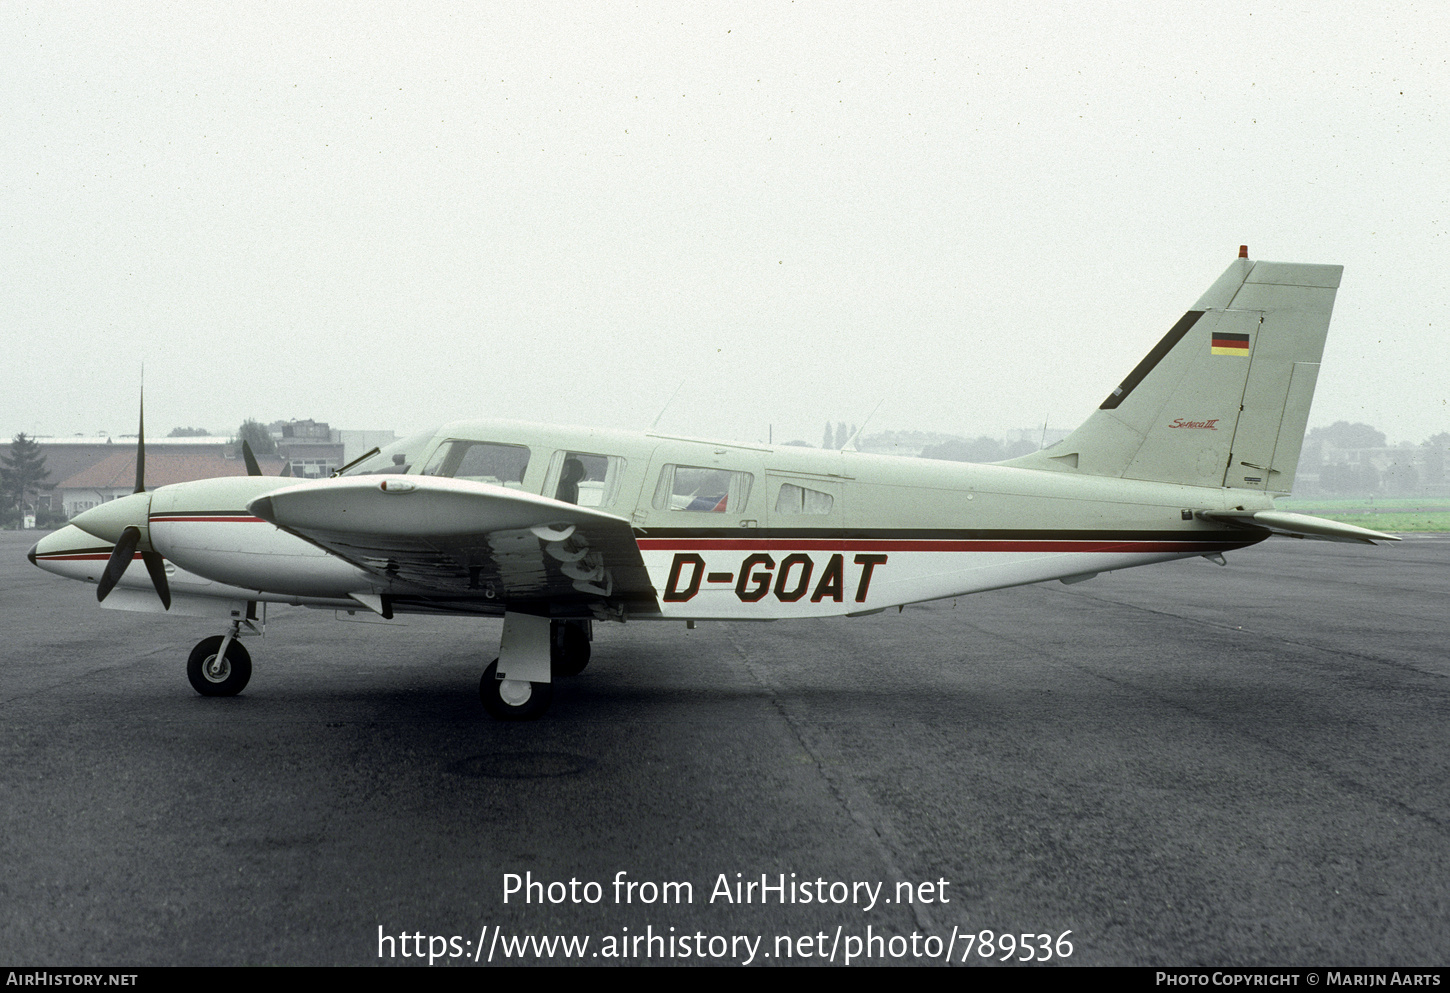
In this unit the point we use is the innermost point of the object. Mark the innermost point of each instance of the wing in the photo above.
(453, 541)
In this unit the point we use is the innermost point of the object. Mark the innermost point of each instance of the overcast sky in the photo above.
(389, 215)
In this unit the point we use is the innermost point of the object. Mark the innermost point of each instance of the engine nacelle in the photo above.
(205, 528)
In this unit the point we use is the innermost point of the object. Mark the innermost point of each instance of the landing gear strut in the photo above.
(217, 671)
(568, 647)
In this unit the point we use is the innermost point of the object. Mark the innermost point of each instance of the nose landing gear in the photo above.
(518, 685)
(513, 699)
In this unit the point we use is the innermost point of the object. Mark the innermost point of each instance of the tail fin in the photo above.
(1224, 398)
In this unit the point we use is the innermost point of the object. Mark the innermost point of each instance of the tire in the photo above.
(506, 700)
(568, 647)
(210, 679)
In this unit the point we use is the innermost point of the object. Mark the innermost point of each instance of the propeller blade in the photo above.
(252, 468)
(141, 447)
(155, 565)
(121, 557)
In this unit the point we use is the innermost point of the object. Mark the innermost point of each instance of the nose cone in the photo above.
(31, 554)
(72, 553)
(109, 519)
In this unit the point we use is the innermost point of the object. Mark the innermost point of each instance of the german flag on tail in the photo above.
(1229, 343)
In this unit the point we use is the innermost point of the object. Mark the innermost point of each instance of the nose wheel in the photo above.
(513, 699)
(217, 672)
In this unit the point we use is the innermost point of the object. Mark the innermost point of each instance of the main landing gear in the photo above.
(518, 685)
(569, 646)
(217, 671)
(221, 665)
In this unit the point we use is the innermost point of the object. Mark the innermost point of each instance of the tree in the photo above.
(826, 439)
(1342, 434)
(189, 433)
(1436, 447)
(22, 471)
(1401, 479)
(255, 433)
(1350, 479)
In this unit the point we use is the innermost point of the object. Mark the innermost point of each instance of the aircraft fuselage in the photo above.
(725, 530)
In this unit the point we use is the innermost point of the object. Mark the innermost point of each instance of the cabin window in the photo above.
(481, 462)
(585, 479)
(694, 488)
(800, 500)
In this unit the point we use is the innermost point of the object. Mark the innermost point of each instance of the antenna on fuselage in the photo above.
(850, 445)
(656, 422)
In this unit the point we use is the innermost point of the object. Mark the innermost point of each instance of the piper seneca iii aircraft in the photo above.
(556, 528)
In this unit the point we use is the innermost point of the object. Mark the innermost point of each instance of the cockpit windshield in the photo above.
(398, 457)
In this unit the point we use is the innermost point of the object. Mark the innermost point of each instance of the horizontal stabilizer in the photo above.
(1297, 525)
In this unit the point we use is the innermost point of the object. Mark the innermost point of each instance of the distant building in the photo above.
(101, 472)
(87, 471)
(1398, 470)
(303, 431)
(312, 448)
(355, 444)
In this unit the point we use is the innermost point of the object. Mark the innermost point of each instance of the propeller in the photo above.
(253, 469)
(156, 569)
(102, 519)
(121, 557)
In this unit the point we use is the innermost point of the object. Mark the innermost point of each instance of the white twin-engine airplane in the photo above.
(554, 528)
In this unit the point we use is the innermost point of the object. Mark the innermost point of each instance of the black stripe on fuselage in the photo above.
(168, 514)
(957, 534)
(1140, 372)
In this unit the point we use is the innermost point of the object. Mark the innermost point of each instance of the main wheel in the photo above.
(513, 699)
(211, 676)
(568, 647)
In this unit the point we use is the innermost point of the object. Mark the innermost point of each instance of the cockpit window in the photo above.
(586, 479)
(397, 457)
(481, 461)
